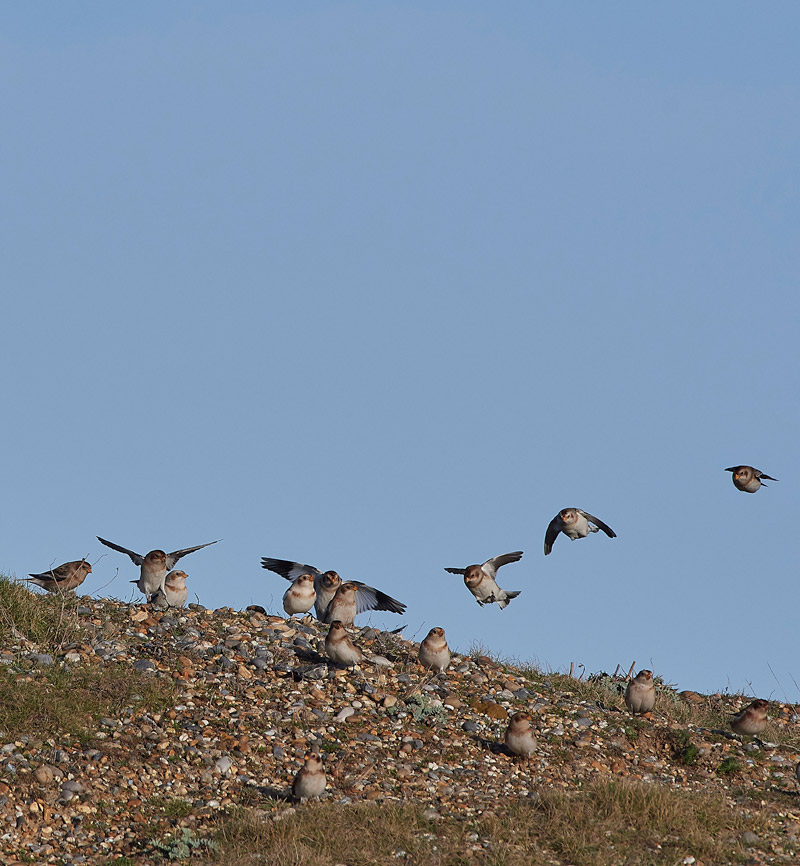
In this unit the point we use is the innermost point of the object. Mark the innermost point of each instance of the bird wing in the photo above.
(137, 558)
(599, 523)
(456, 570)
(59, 573)
(491, 565)
(173, 557)
(369, 598)
(289, 570)
(553, 528)
(764, 475)
(732, 469)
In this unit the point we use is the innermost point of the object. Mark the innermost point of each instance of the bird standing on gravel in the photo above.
(748, 479)
(340, 648)
(519, 736)
(640, 695)
(62, 578)
(752, 719)
(310, 780)
(300, 596)
(154, 565)
(433, 650)
(327, 584)
(480, 579)
(175, 588)
(574, 523)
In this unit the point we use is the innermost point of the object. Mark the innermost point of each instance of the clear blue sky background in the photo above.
(382, 287)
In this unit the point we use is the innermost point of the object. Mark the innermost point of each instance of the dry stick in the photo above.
(571, 666)
(616, 671)
(633, 665)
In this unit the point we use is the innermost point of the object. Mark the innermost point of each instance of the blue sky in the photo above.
(382, 287)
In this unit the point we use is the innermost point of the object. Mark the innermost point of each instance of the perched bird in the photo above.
(310, 780)
(480, 579)
(340, 649)
(300, 596)
(691, 697)
(748, 479)
(63, 577)
(574, 523)
(433, 650)
(326, 586)
(752, 719)
(640, 695)
(175, 588)
(519, 736)
(155, 564)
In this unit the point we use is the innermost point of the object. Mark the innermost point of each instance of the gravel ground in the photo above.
(254, 694)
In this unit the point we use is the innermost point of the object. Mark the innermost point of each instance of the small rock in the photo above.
(143, 665)
(44, 774)
(343, 714)
(224, 764)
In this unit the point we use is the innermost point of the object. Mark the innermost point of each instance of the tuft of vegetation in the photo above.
(48, 620)
(172, 807)
(728, 767)
(423, 710)
(683, 749)
(589, 827)
(71, 699)
(182, 846)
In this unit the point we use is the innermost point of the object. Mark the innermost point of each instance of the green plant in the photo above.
(172, 807)
(48, 621)
(423, 710)
(728, 766)
(683, 749)
(183, 846)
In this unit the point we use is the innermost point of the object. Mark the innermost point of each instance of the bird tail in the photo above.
(503, 602)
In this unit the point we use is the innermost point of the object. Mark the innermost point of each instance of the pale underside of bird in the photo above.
(519, 737)
(433, 650)
(301, 596)
(481, 581)
(574, 523)
(154, 565)
(62, 578)
(310, 780)
(640, 693)
(748, 479)
(175, 588)
(326, 585)
(752, 719)
(340, 647)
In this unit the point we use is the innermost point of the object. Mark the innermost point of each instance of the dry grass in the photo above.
(70, 700)
(47, 621)
(607, 823)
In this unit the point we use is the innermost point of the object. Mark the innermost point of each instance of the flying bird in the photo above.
(748, 479)
(433, 650)
(154, 565)
(326, 586)
(640, 694)
(752, 719)
(480, 579)
(574, 523)
(62, 578)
